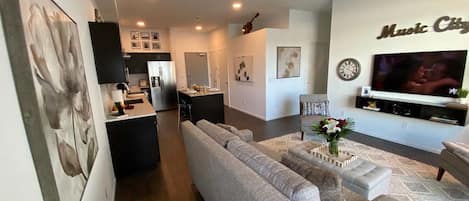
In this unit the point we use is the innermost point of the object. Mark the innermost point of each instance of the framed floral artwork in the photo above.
(134, 35)
(288, 62)
(49, 74)
(145, 35)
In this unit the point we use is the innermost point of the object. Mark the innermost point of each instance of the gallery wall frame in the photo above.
(52, 90)
(288, 61)
(243, 67)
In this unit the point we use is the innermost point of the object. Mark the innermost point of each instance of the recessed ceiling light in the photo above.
(198, 27)
(237, 5)
(140, 23)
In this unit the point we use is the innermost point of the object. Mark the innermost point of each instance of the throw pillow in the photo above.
(245, 134)
(289, 183)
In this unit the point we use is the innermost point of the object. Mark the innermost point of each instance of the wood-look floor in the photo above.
(171, 180)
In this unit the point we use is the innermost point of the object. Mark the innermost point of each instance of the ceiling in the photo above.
(211, 13)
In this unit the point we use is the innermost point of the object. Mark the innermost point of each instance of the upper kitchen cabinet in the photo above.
(107, 50)
(137, 62)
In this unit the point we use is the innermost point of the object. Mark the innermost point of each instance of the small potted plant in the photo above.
(333, 129)
(462, 95)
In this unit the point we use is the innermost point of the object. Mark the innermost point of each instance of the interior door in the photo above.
(196, 68)
(220, 64)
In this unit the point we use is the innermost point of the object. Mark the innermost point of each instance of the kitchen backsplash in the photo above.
(134, 79)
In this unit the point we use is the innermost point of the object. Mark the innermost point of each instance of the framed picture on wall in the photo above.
(53, 95)
(365, 91)
(288, 62)
(134, 35)
(146, 45)
(135, 44)
(243, 66)
(145, 35)
(155, 36)
(155, 45)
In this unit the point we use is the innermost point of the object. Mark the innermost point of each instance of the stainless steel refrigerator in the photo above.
(162, 75)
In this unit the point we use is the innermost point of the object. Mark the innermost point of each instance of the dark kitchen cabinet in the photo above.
(208, 107)
(134, 145)
(137, 62)
(105, 38)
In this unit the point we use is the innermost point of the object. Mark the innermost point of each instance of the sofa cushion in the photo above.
(265, 150)
(459, 149)
(292, 185)
(245, 134)
(329, 184)
(220, 135)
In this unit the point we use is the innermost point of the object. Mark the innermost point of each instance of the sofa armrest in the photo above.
(329, 183)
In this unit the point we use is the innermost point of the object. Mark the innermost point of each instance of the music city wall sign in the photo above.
(442, 24)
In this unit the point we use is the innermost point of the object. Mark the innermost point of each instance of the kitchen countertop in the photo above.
(140, 110)
(200, 93)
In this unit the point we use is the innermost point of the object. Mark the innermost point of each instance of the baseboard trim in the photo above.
(403, 142)
(281, 117)
(248, 113)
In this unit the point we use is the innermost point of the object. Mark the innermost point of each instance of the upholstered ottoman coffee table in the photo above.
(360, 176)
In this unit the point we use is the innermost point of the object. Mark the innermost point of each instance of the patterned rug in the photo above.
(411, 180)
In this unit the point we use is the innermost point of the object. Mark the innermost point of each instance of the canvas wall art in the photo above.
(146, 45)
(135, 44)
(134, 35)
(145, 35)
(243, 68)
(288, 62)
(155, 45)
(51, 84)
(155, 36)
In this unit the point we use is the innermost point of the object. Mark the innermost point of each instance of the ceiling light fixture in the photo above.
(140, 23)
(237, 5)
(198, 27)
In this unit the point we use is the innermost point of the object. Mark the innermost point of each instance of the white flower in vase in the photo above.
(332, 126)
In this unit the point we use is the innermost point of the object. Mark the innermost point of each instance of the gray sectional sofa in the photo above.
(227, 166)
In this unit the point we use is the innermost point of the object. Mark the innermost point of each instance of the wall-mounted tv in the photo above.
(427, 73)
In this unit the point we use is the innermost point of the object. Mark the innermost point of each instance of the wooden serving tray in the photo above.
(322, 153)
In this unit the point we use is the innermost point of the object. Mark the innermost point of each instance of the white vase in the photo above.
(462, 100)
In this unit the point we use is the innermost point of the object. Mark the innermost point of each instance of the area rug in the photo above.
(410, 181)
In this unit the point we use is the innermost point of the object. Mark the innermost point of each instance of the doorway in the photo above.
(218, 72)
(196, 68)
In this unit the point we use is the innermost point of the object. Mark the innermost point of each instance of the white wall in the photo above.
(218, 60)
(268, 97)
(249, 97)
(185, 41)
(353, 34)
(19, 180)
(125, 39)
(306, 30)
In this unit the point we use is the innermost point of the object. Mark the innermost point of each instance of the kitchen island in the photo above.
(133, 138)
(196, 106)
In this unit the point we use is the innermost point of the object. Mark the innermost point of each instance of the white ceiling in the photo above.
(212, 13)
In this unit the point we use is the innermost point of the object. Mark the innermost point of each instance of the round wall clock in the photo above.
(348, 69)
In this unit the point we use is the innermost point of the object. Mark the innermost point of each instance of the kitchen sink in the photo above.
(133, 101)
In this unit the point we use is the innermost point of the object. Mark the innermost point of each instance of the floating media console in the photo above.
(451, 113)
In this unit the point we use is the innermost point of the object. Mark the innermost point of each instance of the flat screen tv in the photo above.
(427, 73)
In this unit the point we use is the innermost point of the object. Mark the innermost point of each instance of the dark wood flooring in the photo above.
(171, 180)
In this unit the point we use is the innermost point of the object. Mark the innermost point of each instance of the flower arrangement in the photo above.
(333, 129)
(462, 95)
